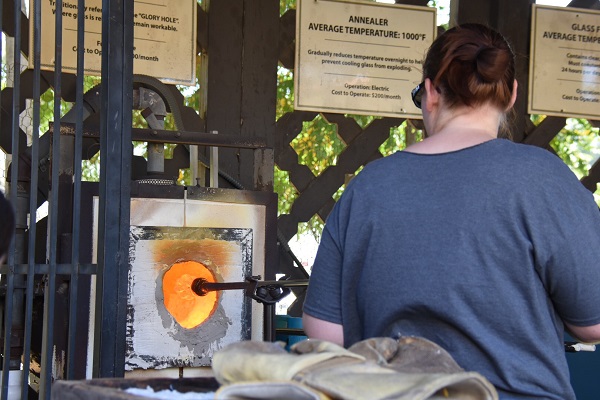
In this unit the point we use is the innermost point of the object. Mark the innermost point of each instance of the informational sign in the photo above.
(164, 38)
(360, 57)
(564, 70)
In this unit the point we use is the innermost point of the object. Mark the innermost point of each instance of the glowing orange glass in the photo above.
(188, 309)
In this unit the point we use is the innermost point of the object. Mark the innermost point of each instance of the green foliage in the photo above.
(318, 145)
(285, 92)
(192, 94)
(286, 191)
(47, 109)
(574, 146)
(90, 169)
(313, 227)
(578, 145)
(400, 137)
(285, 5)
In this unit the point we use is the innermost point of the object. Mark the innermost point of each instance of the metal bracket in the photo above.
(263, 292)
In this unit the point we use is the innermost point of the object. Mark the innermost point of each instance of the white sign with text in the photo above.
(164, 38)
(564, 69)
(360, 57)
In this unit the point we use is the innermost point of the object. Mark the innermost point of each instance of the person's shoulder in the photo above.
(536, 167)
(396, 161)
(530, 154)
(374, 175)
(523, 148)
(526, 149)
(379, 166)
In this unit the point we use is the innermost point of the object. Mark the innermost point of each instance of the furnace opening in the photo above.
(188, 309)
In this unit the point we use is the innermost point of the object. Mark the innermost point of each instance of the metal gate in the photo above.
(46, 284)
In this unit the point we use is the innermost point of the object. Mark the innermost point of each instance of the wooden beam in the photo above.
(259, 70)
(242, 64)
(463, 11)
(422, 3)
(593, 4)
(545, 132)
(224, 80)
(512, 18)
(287, 39)
(593, 178)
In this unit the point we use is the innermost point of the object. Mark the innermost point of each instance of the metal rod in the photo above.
(47, 359)
(201, 286)
(8, 302)
(115, 181)
(174, 137)
(269, 334)
(291, 331)
(77, 156)
(42, 269)
(286, 283)
(35, 145)
(214, 164)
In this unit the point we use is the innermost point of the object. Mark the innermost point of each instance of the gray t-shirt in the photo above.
(484, 250)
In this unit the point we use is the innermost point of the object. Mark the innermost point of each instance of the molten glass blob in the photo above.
(188, 309)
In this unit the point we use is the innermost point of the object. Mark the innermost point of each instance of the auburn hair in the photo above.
(471, 64)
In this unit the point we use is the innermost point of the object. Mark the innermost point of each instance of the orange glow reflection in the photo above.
(188, 309)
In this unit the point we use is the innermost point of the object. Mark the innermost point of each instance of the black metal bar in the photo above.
(34, 178)
(198, 138)
(53, 219)
(268, 323)
(74, 283)
(291, 331)
(8, 314)
(1, 51)
(8, 298)
(176, 137)
(285, 283)
(201, 286)
(115, 172)
(60, 269)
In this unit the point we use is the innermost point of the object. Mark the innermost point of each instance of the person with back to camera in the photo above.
(489, 248)
(7, 226)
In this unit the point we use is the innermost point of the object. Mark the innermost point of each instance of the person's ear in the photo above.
(513, 97)
(432, 96)
(2, 257)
